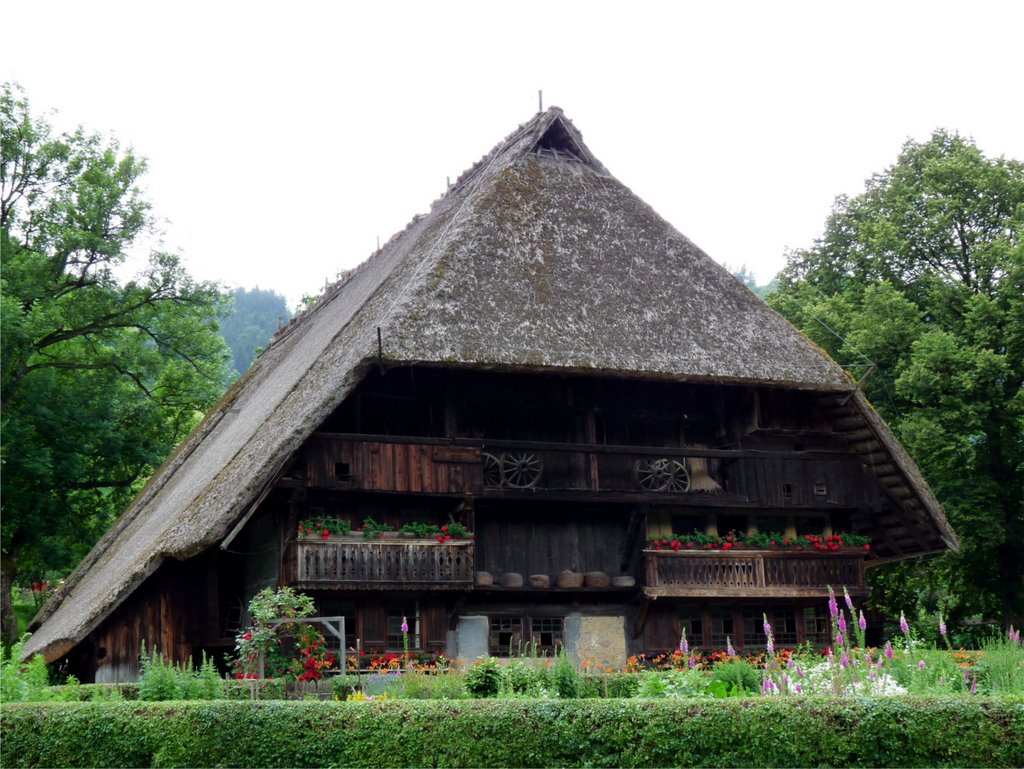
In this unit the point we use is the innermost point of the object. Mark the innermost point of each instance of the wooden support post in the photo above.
(641, 616)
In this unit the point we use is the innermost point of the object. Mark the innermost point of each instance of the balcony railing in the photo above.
(379, 564)
(751, 574)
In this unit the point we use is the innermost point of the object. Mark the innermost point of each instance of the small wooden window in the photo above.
(691, 619)
(395, 638)
(820, 488)
(787, 490)
(506, 636)
(817, 627)
(509, 634)
(753, 628)
(721, 627)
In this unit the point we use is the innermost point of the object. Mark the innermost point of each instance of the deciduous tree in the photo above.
(920, 280)
(101, 378)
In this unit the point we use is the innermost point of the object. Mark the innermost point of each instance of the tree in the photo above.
(917, 286)
(100, 378)
(255, 316)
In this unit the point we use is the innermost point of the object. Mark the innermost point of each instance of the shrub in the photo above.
(483, 679)
(856, 732)
(565, 677)
(739, 673)
(23, 681)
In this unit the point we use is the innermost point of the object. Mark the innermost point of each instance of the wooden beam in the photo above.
(636, 520)
(641, 614)
(664, 451)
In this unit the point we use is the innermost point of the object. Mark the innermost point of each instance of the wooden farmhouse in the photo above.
(545, 362)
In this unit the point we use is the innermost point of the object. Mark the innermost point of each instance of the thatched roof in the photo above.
(535, 259)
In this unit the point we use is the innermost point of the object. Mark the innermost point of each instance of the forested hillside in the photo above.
(254, 317)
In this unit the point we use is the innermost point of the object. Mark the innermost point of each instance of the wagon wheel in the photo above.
(661, 475)
(678, 478)
(651, 474)
(492, 470)
(521, 469)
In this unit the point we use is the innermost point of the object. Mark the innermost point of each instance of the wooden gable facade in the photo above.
(566, 417)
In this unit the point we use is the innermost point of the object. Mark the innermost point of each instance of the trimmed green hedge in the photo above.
(906, 731)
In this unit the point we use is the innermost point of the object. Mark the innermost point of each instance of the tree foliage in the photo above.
(917, 287)
(256, 314)
(100, 378)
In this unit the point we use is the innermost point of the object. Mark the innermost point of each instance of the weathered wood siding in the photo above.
(161, 613)
(402, 467)
(548, 541)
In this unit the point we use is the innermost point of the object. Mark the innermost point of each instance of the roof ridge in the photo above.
(545, 119)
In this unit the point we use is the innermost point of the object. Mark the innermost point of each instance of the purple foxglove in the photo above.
(833, 607)
(405, 625)
(974, 685)
(849, 601)
(770, 647)
(845, 660)
(920, 665)
(693, 663)
(942, 626)
(839, 638)
(684, 645)
(842, 623)
(904, 627)
(728, 647)
(888, 650)
(862, 623)
(767, 626)
(798, 689)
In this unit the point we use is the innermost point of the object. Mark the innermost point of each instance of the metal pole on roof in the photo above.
(540, 101)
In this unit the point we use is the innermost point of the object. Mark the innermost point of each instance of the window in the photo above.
(509, 634)
(684, 524)
(546, 633)
(395, 639)
(784, 627)
(737, 523)
(771, 524)
(691, 619)
(753, 628)
(506, 636)
(817, 627)
(721, 627)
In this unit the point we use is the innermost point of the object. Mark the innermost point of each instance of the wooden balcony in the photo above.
(384, 564)
(751, 574)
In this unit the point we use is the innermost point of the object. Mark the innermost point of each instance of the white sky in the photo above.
(284, 138)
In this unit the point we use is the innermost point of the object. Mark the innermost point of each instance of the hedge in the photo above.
(905, 731)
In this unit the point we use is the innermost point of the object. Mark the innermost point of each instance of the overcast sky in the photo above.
(284, 139)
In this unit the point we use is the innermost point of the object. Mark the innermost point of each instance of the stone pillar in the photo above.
(600, 641)
(471, 639)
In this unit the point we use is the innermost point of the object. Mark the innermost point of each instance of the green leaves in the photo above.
(100, 378)
(921, 278)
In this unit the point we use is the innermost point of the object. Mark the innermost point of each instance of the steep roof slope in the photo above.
(537, 258)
